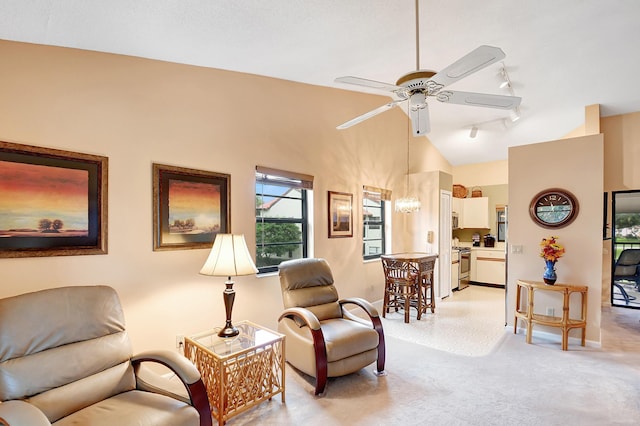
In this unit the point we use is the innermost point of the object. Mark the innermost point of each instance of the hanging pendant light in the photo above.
(407, 204)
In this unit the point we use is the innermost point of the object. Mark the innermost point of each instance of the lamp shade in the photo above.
(229, 257)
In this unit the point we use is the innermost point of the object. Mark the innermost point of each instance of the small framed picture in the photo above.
(52, 202)
(340, 215)
(190, 207)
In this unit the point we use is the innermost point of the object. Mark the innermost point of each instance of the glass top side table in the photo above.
(239, 372)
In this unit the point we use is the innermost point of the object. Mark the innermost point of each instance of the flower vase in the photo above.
(549, 275)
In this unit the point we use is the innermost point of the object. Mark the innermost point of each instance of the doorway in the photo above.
(625, 249)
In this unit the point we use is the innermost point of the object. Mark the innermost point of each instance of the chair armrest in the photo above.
(179, 364)
(366, 306)
(305, 315)
(188, 375)
(375, 321)
(18, 413)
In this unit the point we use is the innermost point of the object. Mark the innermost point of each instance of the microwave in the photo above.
(454, 221)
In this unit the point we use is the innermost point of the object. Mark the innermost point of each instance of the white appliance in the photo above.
(455, 268)
(464, 266)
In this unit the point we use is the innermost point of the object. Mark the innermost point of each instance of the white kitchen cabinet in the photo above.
(476, 212)
(472, 212)
(489, 266)
(457, 204)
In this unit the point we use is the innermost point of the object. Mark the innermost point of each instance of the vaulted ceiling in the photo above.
(561, 55)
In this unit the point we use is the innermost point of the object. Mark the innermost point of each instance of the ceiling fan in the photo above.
(416, 86)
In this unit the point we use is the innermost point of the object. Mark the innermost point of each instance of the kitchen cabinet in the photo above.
(488, 266)
(472, 212)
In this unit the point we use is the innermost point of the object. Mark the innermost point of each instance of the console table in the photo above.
(566, 323)
(238, 372)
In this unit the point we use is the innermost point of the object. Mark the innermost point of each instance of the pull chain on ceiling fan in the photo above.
(416, 86)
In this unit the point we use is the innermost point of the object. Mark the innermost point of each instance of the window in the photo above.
(281, 217)
(373, 220)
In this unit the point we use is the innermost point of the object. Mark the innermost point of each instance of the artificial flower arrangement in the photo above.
(551, 249)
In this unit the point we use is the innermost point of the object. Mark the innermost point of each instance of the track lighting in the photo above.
(514, 114)
(474, 132)
(506, 81)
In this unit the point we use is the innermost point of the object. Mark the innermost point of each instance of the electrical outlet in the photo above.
(551, 312)
(180, 341)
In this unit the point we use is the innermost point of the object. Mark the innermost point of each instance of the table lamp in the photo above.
(229, 257)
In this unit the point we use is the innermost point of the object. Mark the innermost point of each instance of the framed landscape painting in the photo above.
(52, 202)
(190, 207)
(340, 215)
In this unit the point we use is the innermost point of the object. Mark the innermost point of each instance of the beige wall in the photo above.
(482, 174)
(137, 112)
(621, 151)
(577, 166)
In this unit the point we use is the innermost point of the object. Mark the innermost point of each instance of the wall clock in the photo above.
(553, 208)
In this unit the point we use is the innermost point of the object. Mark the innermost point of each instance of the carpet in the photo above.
(517, 384)
(513, 384)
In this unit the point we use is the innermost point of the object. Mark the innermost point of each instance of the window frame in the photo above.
(292, 181)
(381, 223)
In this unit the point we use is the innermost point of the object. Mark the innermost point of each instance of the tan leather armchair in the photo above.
(66, 359)
(323, 339)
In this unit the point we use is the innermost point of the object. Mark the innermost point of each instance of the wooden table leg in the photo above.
(515, 317)
(529, 313)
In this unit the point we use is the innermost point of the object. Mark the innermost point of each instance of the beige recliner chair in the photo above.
(323, 339)
(66, 359)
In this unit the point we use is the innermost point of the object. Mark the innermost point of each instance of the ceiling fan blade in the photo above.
(479, 99)
(473, 61)
(369, 114)
(367, 83)
(419, 115)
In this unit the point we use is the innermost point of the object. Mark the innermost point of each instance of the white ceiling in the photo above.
(561, 54)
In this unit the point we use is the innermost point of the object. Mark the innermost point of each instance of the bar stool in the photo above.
(401, 287)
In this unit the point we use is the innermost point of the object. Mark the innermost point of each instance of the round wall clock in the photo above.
(553, 208)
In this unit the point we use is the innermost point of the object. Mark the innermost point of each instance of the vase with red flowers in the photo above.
(550, 251)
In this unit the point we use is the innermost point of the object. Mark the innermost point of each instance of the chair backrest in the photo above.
(308, 283)
(400, 272)
(64, 348)
(627, 262)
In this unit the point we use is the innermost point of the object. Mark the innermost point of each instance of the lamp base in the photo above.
(228, 331)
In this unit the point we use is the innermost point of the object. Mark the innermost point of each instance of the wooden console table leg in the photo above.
(565, 320)
(515, 317)
(529, 313)
(583, 316)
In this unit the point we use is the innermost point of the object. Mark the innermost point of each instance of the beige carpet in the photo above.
(513, 384)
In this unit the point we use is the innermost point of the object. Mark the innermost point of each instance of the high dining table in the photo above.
(408, 282)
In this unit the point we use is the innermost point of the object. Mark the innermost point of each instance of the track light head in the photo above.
(474, 132)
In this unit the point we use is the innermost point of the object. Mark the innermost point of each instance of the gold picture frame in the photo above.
(54, 202)
(340, 214)
(190, 207)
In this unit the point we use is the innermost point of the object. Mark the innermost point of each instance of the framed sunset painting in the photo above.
(190, 207)
(52, 202)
